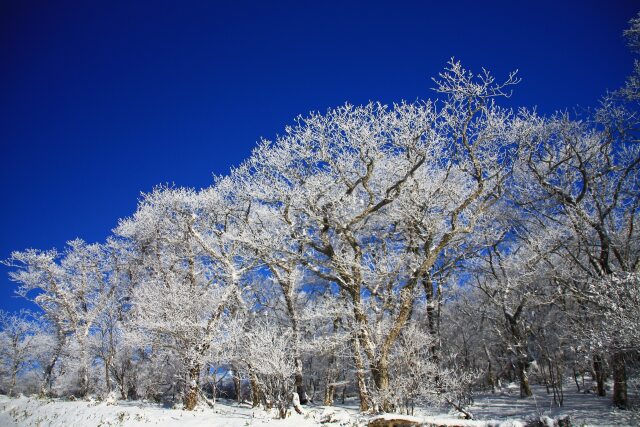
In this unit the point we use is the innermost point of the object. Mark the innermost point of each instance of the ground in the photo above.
(504, 408)
(584, 408)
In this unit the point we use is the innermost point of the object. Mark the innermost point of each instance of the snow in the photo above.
(504, 409)
(586, 409)
(30, 411)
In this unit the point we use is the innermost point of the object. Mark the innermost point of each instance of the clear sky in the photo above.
(102, 100)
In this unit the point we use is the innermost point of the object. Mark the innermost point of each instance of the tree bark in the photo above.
(84, 369)
(330, 388)
(256, 392)
(14, 373)
(598, 370)
(299, 381)
(193, 388)
(332, 371)
(237, 384)
(525, 387)
(47, 380)
(490, 377)
(329, 394)
(433, 312)
(380, 374)
(287, 289)
(365, 398)
(107, 377)
(619, 380)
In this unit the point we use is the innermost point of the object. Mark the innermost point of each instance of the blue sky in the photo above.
(102, 100)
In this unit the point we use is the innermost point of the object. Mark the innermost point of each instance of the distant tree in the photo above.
(72, 289)
(20, 345)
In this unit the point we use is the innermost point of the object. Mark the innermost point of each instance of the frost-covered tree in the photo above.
(22, 337)
(376, 197)
(406, 254)
(583, 177)
(267, 232)
(72, 289)
(267, 350)
(190, 270)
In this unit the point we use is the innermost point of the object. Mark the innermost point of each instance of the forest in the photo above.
(406, 255)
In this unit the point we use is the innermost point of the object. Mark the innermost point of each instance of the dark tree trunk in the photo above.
(123, 390)
(237, 383)
(256, 392)
(47, 380)
(619, 380)
(490, 377)
(433, 316)
(575, 378)
(600, 377)
(14, 374)
(525, 387)
(521, 352)
(330, 388)
(107, 377)
(299, 381)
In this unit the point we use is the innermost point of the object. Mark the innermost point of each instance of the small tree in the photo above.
(20, 345)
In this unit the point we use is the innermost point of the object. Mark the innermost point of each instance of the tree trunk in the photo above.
(619, 380)
(84, 363)
(598, 370)
(365, 398)
(330, 388)
(256, 392)
(490, 378)
(329, 394)
(299, 381)
(363, 338)
(237, 384)
(107, 377)
(433, 316)
(525, 387)
(332, 372)
(379, 364)
(193, 388)
(575, 378)
(520, 345)
(47, 380)
(380, 373)
(14, 373)
(121, 373)
(287, 289)
(123, 390)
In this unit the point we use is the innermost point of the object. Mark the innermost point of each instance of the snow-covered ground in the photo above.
(26, 411)
(584, 409)
(504, 409)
